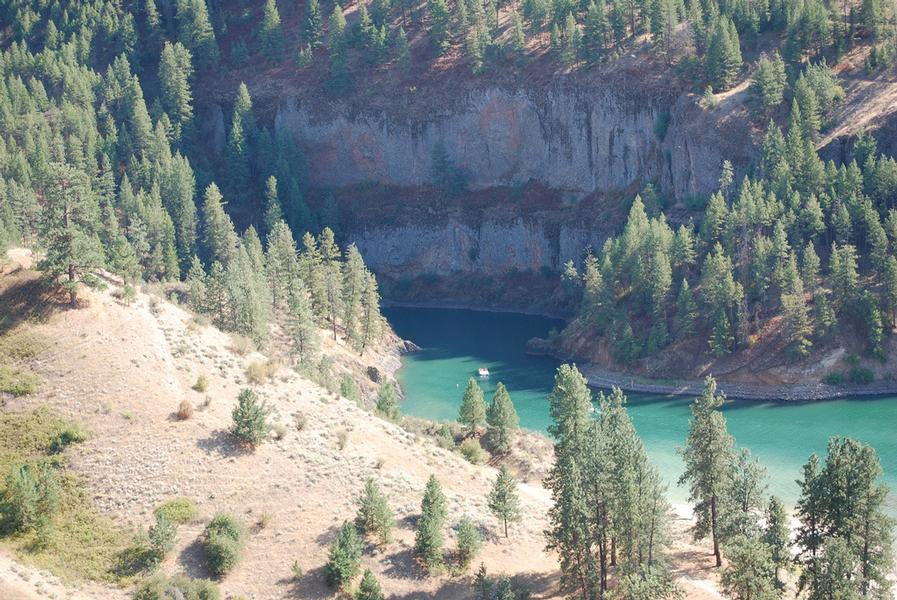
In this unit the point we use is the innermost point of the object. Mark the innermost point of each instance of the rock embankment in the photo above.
(805, 392)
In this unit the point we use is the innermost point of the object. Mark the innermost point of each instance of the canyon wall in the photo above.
(575, 143)
(492, 247)
(495, 137)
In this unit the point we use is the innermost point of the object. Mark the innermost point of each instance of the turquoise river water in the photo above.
(455, 343)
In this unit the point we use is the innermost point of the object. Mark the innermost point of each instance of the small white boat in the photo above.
(483, 371)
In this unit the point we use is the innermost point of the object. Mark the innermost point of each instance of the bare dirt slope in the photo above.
(122, 370)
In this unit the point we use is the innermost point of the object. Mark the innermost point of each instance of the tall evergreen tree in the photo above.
(502, 420)
(707, 454)
(472, 412)
(344, 558)
(429, 539)
(270, 31)
(504, 502)
(374, 516)
(220, 241)
(69, 227)
(569, 517)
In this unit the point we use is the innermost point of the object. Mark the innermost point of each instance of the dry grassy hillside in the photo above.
(122, 370)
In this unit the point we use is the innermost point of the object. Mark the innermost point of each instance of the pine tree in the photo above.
(344, 558)
(371, 319)
(402, 50)
(353, 281)
(219, 238)
(195, 31)
(247, 296)
(311, 271)
(686, 310)
(273, 211)
(177, 188)
(707, 455)
(596, 29)
(503, 500)
(429, 539)
(270, 31)
(796, 324)
(750, 573)
(301, 324)
(237, 156)
(439, 25)
(767, 88)
(313, 23)
(175, 71)
(805, 97)
(369, 588)
(569, 532)
(281, 265)
(518, 34)
(572, 40)
(331, 275)
(374, 516)
(216, 299)
(69, 227)
(469, 542)
(777, 537)
(472, 412)
(502, 420)
(845, 500)
(250, 419)
(723, 55)
(843, 276)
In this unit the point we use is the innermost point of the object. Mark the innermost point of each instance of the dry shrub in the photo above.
(185, 410)
(261, 372)
(202, 383)
(280, 431)
(241, 345)
(301, 421)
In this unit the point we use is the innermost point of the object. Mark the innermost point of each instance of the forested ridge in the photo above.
(96, 175)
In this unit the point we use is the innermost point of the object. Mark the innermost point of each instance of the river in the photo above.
(455, 343)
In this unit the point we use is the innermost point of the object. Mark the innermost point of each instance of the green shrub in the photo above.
(472, 451)
(71, 434)
(250, 418)
(344, 557)
(388, 401)
(833, 378)
(860, 375)
(223, 539)
(469, 542)
(31, 497)
(296, 570)
(162, 536)
(17, 382)
(177, 510)
(160, 587)
(349, 390)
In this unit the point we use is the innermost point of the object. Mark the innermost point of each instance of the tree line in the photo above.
(96, 176)
(611, 518)
(810, 241)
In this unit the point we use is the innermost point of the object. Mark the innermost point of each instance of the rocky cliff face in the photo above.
(575, 143)
(493, 247)
(564, 140)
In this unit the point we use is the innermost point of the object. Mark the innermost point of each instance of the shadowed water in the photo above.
(782, 435)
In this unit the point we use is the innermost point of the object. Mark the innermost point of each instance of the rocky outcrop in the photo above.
(565, 140)
(492, 247)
